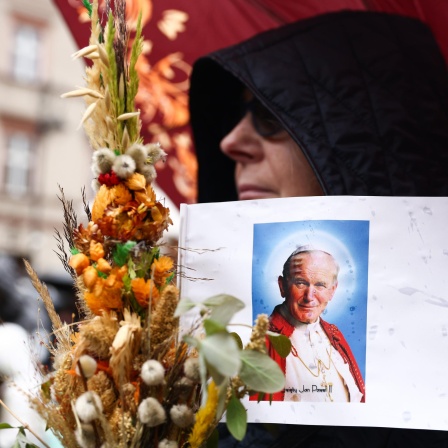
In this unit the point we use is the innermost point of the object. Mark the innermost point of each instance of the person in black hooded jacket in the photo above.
(348, 103)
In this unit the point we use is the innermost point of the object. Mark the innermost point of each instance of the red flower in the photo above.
(109, 179)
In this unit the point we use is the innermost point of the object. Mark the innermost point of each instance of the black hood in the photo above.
(365, 95)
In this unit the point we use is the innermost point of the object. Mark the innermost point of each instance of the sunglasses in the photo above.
(263, 121)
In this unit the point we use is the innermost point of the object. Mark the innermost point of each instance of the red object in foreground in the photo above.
(179, 32)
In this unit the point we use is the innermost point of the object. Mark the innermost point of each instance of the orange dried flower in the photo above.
(137, 392)
(106, 293)
(139, 219)
(162, 269)
(102, 201)
(109, 299)
(109, 226)
(151, 193)
(89, 276)
(150, 231)
(142, 289)
(104, 266)
(120, 272)
(136, 182)
(96, 251)
(147, 197)
(156, 215)
(120, 195)
(79, 262)
(82, 236)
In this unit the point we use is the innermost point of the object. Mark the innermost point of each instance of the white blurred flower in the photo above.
(151, 412)
(103, 159)
(181, 415)
(145, 156)
(139, 153)
(149, 172)
(191, 369)
(156, 153)
(124, 166)
(165, 443)
(88, 366)
(88, 406)
(152, 373)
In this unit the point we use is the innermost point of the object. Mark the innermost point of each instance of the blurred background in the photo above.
(40, 148)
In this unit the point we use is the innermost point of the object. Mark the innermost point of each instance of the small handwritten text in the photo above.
(314, 388)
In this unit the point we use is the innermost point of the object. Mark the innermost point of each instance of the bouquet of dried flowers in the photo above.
(124, 376)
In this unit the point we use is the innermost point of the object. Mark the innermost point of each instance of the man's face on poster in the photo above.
(309, 285)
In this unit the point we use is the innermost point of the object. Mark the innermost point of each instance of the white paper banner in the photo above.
(391, 303)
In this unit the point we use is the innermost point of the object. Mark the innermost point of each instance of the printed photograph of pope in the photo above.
(321, 366)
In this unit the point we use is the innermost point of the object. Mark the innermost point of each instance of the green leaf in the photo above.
(21, 440)
(221, 351)
(121, 252)
(131, 269)
(222, 299)
(222, 397)
(238, 340)
(212, 327)
(100, 273)
(236, 418)
(143, 267)
(223, 307)
(170, 278)
(184, 306)
(217, 377)
(212, 441)
(88, 6)
(74, 251)
(127, 282)
(155, 253)
(261, 373)
(6, 426)
(281, 343)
